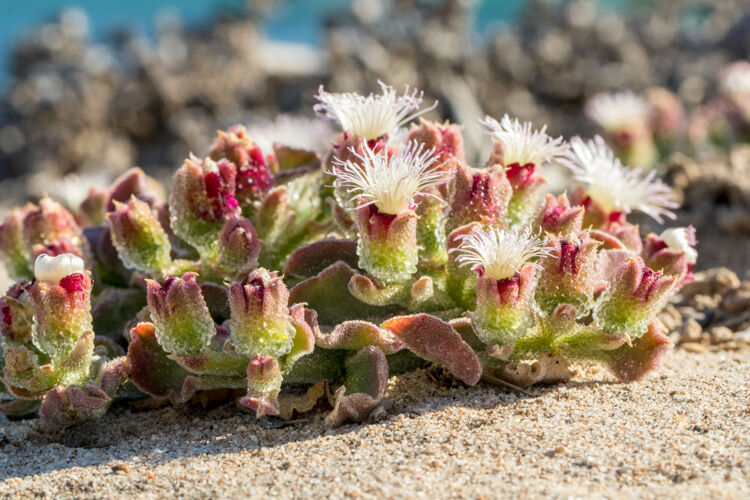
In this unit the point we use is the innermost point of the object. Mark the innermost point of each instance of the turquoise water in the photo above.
(294, 20)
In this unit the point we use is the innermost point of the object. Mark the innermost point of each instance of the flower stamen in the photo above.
(615, 187)
(372, 116)
(520, 144)
(500, 253)
(390, 183)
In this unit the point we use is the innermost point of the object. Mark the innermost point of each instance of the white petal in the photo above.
(53, 269)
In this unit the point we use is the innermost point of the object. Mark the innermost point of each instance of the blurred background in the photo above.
(91, 88)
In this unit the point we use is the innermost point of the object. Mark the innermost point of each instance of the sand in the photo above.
(682, 433)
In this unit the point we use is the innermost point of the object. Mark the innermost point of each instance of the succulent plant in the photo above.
(270, 268)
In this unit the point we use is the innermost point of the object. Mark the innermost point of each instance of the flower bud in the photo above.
(180, 315)
(506, 279)
(260, 323)
(93, 208)
(238, 247)
(137, 235)
(479, 195)
(445, 138)
(202, 199)
(672, 252)
(734, 88)
(668, 113)
(16, 314)
(135, 183)
(387, 243)
(50, 228)
(632, 298)
(263, 386)
(503, 306)
(568, 274)
(61, 299)
(522, 151)
(527, 182)
(558, 217)
(626, 118)
(254, 178)
(12, 245)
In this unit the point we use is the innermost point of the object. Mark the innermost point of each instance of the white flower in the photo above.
(500, 253)
(681, 239)
(521, 144)
(372, 116)
(72, 189)
(291, 130)
(619, 111)
(615, 187)
(53, 269)
(735, 80)
(389, 183)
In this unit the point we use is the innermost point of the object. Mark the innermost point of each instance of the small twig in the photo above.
(499, 381)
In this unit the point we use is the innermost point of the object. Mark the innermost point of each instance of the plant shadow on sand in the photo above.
(126, 433)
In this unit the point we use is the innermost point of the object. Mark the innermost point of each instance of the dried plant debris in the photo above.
(398, 254)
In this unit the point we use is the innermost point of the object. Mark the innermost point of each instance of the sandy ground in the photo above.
(683, 433)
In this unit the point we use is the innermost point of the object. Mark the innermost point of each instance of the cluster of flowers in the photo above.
(264, 268)
(644, 128)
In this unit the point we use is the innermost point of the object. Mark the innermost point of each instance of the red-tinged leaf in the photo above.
(354, 407)
(435, 340)
(65, 406)
(150, 369)
(311, 259)
(609, 242)
(367, 372)
(370, 291)
(19, 407)
(357, 334)
(633, 362)
(294, 161)
(114, 375)
(328, 294)
(366, 381)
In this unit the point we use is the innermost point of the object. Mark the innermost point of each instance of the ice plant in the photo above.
(567, 273)
(478, 195)
(612, 190)
(734, 84)
(502, 260)
(522, 151)
(60, 296)
(139, 238)
(180, 315)
(239, 247)
(249, 280)
(672, 252)
(633, 297)
(52, 357)
(253, 177)
(384, 189)
(202, 200)
(626, 119)
(12, 244)
(373, 116)
(444, 138)
(260, 323)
